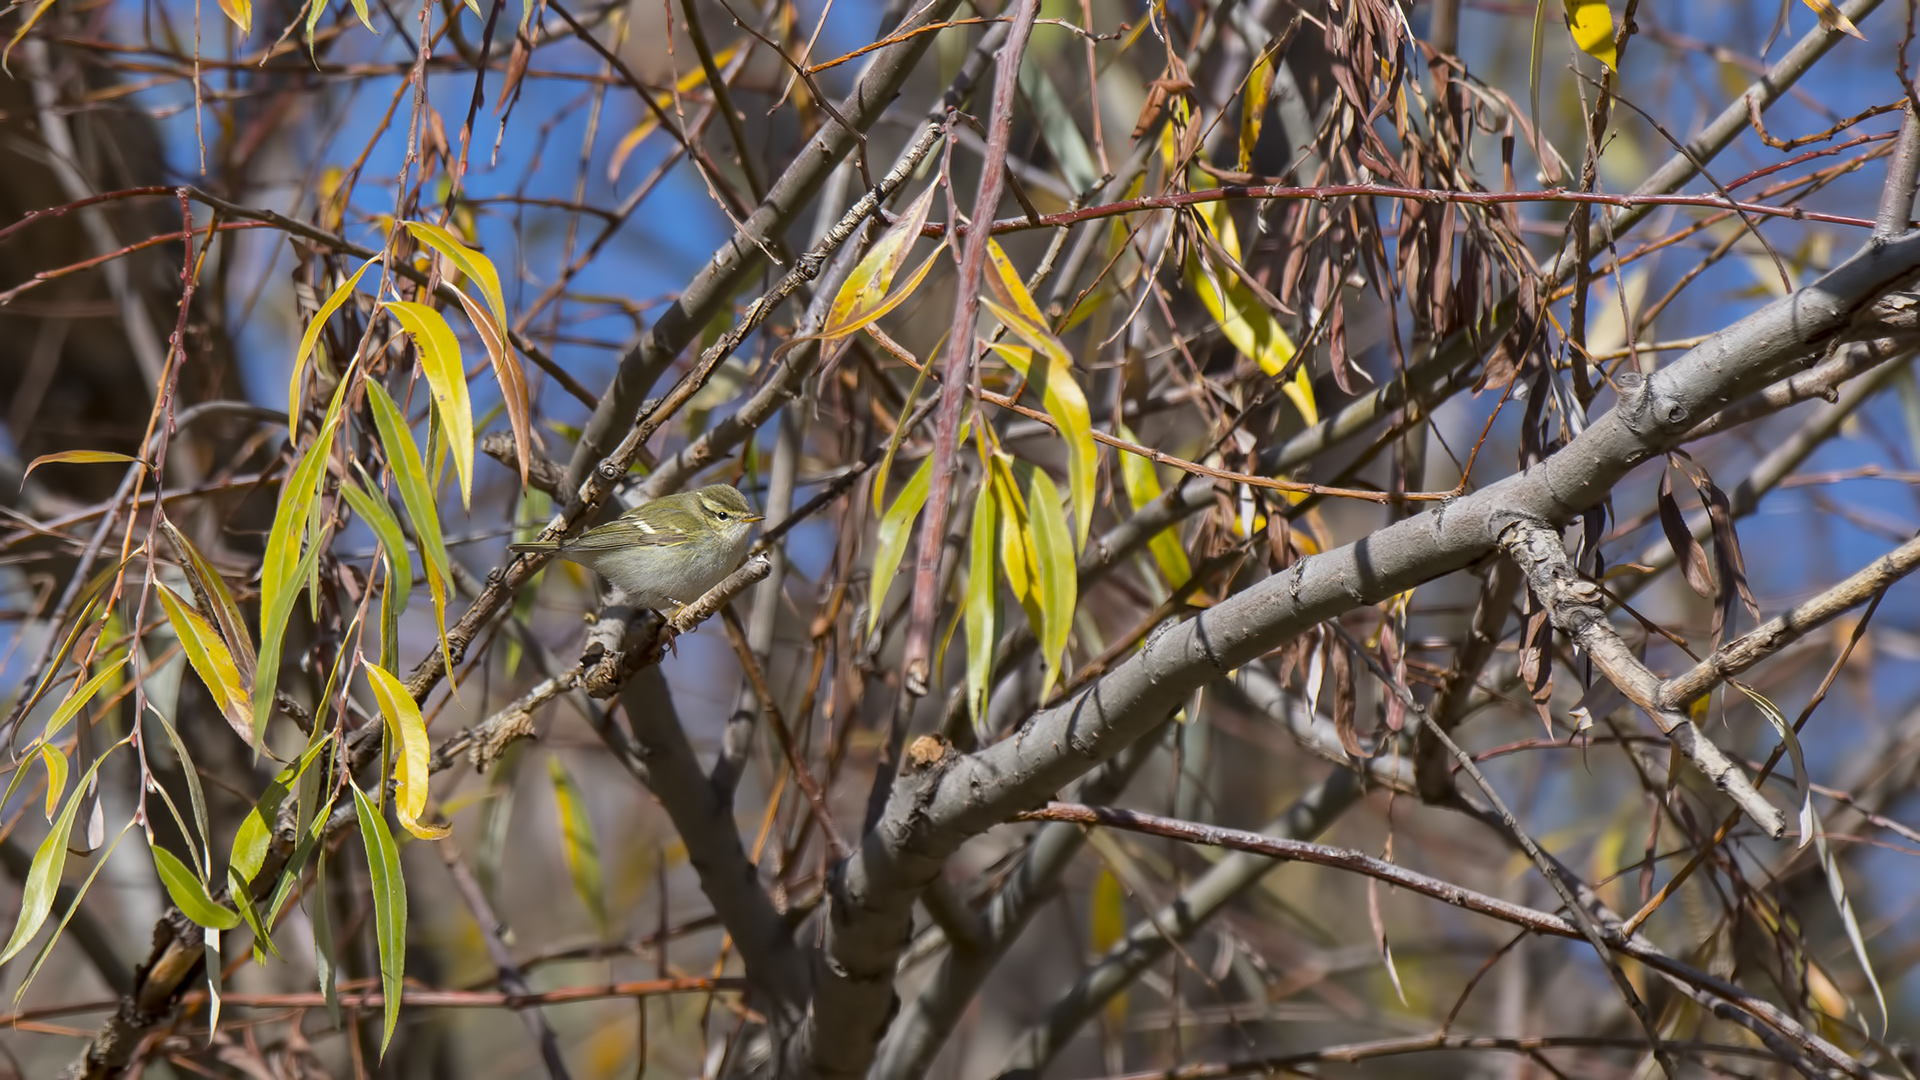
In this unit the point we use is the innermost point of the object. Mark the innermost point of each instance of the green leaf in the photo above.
(203, 832)
(864, 297)
(1142, 484)
(389, 907)
(189, 893)
(338, 297)
(284, 570)
(1059, 579)
(413, 756)
(896, 527)
(983, 587)
(77, 701)
(410, 476)
(447, 379)
(208, 654)
(373, 509)
(1067, 404)
(577, 844)
(79, 894)
(43, 875)
(75, 457)
(324, 962)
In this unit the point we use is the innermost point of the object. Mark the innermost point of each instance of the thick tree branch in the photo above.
(934, 809)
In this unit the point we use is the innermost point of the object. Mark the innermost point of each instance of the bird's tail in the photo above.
(535, 546)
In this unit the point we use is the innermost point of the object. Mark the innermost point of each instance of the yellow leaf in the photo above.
(312, 335)
(75, 457)
(577, 844)
(1058, 578)
(56, 763)
(241, 12)
(983, 582)
(412, 756)
(211, 660)
(864, 296)
(1592, 26)
(447, 378)
(1067, 404)
(1242, 318)
(1253, 106)
(1143, 486)
(1833, 18)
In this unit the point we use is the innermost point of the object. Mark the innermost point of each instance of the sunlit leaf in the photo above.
(241, 12)
(199, 839)
(983, 586)
(1253, 107)
(1243, 319)
(1592, 27)
(896, 526)
(864, 296)
(208, 654)
(189, 893)
(1833, 18)
(577, 845)
(75, 457)
(77, 701)
(338, 297)
(389, 907)
(214, 601)
(447, 379)
(412, 754)
(1143, 486)
(469, 262)
(514, 394)
(56, 764)
(1067, 404)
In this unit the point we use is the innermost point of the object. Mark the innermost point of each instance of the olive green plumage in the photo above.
(667, 553)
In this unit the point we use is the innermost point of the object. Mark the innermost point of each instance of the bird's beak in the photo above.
(751, 518)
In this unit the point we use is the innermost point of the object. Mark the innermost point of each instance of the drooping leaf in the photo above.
(1253, 106)
(447, 378)
(1592, 26)
(199, 839)
(865, 296)
(189, 893)
(284, 570)
(896, 526)
(43, 874)
(338, 297)
(412, 757)
(469, 262)
(56, 765)
(77, 701)
(326, 966)
(1059, 581)
(214, 601)
(75, 457)
(373, 509)
(983, 587)
(1068, 406)
(577, 844)
(410, 476)
(208, 654)
(1142, 484)
(241, 12)
(1242, 318)
(389, 907)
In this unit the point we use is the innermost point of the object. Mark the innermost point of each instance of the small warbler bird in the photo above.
(667, 553)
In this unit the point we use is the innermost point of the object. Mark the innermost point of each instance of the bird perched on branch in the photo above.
(667, 553)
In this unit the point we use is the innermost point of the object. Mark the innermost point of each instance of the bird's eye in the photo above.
(721, 514)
